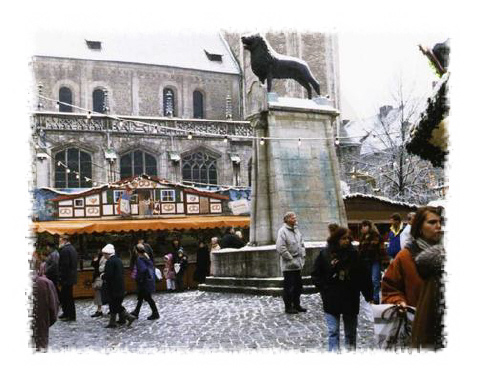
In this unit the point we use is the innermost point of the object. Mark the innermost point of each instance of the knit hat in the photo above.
(108, 249)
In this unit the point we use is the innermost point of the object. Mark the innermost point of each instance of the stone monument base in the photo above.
(255, 270)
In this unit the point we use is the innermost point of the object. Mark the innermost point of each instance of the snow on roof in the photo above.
(177, 49)
(380, 198)
(370, 133)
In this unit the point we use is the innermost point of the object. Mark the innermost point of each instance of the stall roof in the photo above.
(105, 226)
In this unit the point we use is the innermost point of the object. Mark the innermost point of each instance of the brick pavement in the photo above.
(204, 321)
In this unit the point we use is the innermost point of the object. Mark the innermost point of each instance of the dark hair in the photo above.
(396, 217)
(334, 238)
(332, 227)
(371, 226)
(419, 219)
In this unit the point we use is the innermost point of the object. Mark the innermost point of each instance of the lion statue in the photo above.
(268, 64)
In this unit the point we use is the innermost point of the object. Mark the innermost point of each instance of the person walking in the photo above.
(291, 248)
(115, 286)
(98, 264)
(145, 283)
(340, 275)
(402, 283)
(203, 263)
(67, 266)
(370, 250)
(396, 228)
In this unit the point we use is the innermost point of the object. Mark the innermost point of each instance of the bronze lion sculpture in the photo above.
(268, 64)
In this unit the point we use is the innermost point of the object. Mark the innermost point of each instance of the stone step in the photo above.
(258, 286)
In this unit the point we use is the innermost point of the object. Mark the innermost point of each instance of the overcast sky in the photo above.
(372, 64)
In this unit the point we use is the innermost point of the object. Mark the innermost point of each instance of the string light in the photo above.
(225, 139)
(262, 141)
(190, 136)
(120, 124)
(299, 142)
(77, 176)
(59, 163)
(68, 170)
(337, 141)
(89, 115)
(57, 105)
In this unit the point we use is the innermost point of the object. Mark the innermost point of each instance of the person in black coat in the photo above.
(67, 267)
(231, 240)
(115, 286)
(145, 279)
(339, 274)
(203, 263)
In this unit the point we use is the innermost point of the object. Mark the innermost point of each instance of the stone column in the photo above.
(287, 176)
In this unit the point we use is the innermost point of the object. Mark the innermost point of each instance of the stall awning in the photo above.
(103, 226)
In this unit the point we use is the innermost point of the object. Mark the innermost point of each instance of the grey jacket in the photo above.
(291, 248)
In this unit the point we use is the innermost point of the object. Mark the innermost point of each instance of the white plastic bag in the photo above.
(393, 326)
(366, 309)
(176, 267)
(158, 274)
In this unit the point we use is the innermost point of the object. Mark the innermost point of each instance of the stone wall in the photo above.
(137, 89)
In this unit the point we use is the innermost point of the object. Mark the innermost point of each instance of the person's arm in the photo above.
(393, 284)
(281, 245)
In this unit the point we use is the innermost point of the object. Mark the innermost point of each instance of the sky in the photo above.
(367, 66)
(372, 64)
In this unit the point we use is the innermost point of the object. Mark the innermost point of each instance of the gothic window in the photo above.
(80, 165)
(98, 100)
(168, 102)
(197, 104)
(199, 167)
(137, 163)
(65, 96)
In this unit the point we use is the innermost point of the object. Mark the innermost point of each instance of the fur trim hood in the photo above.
(430, 261)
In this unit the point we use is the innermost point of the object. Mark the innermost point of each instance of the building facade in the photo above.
(173, 106)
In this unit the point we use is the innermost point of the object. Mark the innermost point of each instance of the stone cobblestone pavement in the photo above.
(204, 321)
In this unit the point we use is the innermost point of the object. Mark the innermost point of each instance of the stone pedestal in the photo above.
(286, 176)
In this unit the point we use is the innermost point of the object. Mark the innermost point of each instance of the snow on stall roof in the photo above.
(177, 49)
(380, 198)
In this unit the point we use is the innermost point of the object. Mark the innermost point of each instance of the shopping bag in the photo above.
(176, 267)
(158, 274)
(393, 326)
(133, 273)
(366, 309)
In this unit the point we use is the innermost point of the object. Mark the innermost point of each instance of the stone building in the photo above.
(146, 104)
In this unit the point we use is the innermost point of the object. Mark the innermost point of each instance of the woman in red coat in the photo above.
(402, 284)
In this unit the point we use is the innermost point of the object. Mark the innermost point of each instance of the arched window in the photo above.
(199, 167)
(137, 163)
(168, 102)
(98, 100)
(197, 104)
(79, 163)
(65, 95)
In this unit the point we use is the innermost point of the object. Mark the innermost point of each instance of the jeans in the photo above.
(349, 326)
(375, 271)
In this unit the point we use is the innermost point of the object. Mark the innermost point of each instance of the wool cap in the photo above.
(108, 249)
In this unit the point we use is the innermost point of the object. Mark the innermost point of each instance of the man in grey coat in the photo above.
(291, 249)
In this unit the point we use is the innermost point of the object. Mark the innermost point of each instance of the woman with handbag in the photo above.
(98, 264)
(145, 282)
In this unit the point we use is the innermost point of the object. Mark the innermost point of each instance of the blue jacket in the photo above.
(145, 274)
(394, 242)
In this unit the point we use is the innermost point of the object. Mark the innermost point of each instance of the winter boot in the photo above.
(124, 315)
(154, 315)
(112, 323)
(136, 311)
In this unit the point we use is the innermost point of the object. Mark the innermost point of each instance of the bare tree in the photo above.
(382, 164)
